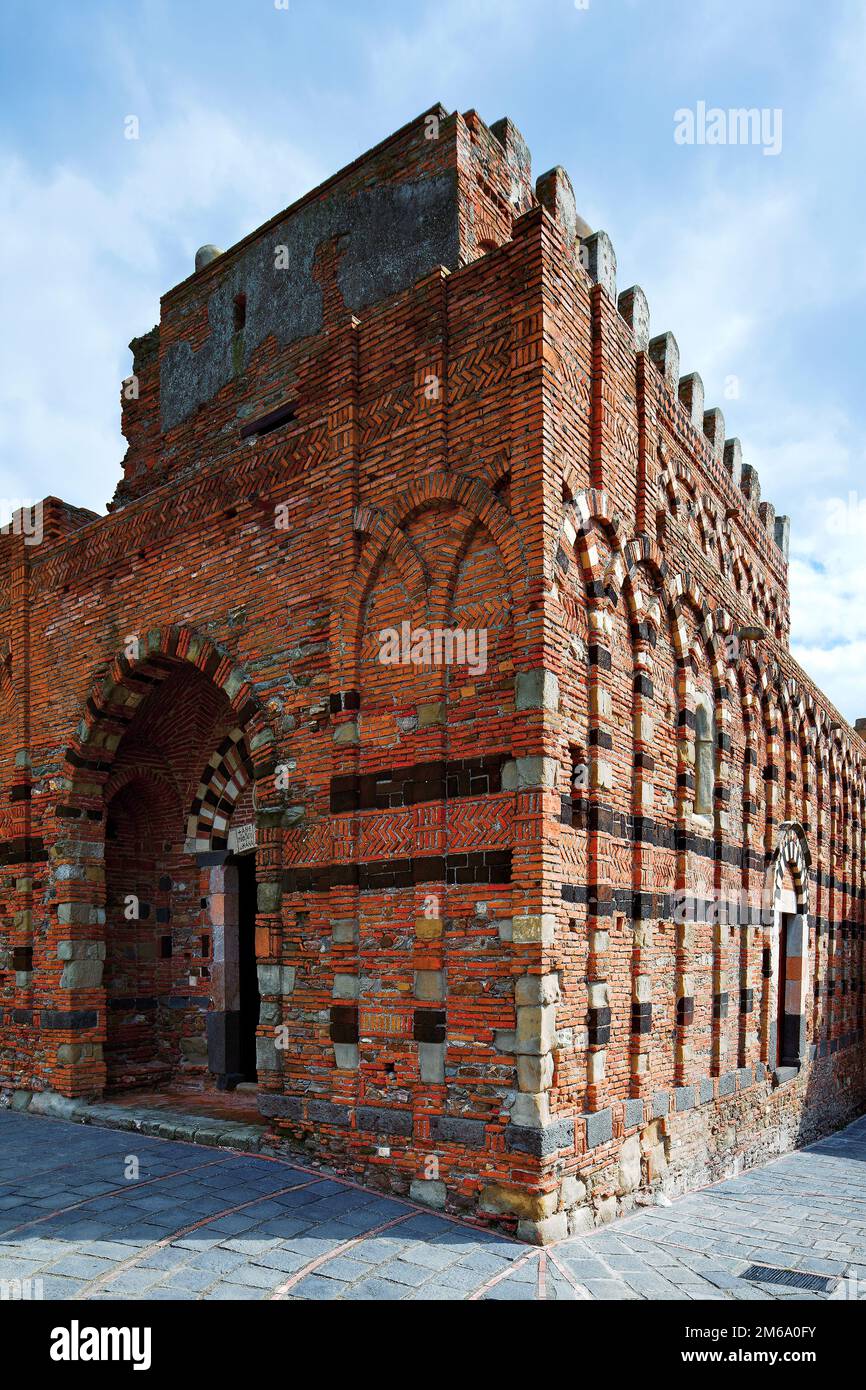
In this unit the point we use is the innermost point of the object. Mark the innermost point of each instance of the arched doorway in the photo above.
(159, 784)
(788, 975)
(235, 1003)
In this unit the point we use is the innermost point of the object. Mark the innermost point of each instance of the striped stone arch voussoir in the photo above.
(792, 852)
(228, 773)
(590, 509)
(115, 700)
(684, 595)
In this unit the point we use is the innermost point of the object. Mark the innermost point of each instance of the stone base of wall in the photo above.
(702, 1137)
(713, 1137)
(681, 1151)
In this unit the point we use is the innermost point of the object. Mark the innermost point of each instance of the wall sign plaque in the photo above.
(384, 1023)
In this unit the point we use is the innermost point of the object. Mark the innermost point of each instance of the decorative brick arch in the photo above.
(684, 594)
(81, 900)
(385, 528)
(498, 470)
(791, 853)
(461, 535)
(786, 1033)
(114, 701)
(590, 509)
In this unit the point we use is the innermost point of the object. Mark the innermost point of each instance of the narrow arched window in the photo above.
(705, 768)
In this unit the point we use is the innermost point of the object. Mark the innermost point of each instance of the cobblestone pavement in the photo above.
(214, 1224)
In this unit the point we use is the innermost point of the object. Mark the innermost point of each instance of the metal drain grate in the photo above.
(793, 1278)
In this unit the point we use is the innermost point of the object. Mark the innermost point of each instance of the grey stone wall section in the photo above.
(661, 1104)
(634, 1110)
(280, 1107)
(451, 1130)
(599, 1128)
(379, 1120)
(325, 1112)
(684, 1097)
(540, 1142)
(390, 237)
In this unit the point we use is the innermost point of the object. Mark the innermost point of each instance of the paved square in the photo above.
(200, 1223)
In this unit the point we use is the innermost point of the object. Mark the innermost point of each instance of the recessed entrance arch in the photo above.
(787, 892)
(179, 997)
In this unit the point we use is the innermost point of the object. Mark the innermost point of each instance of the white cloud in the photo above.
(83, 265)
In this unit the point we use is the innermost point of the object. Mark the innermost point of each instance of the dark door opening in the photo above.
(233, 1021)
(782, 1040)
(247, 973)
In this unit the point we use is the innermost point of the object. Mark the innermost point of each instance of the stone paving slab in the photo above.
(203, 1224)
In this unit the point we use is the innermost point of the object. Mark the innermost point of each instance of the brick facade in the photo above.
(542, 927)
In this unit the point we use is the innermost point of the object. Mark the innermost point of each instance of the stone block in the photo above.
(634, 1113)
(545, 1232)
(267, 1056)
(269, 897)
(81, 974)
(530, 1109)
(429, 1192)
(630, 1164)
(454, 1129)
(538, 689)
(376, 1119)
(580, 1220)
(536, 1029)
(536, 989)
(605, 1209)
(541, 930)
(535, 1071)
(431, 713)
(429, 985)
(661, 1104)
(346, 1056)
(553, 1138)
(572, 1192)
(431, 1063)
(515, 1201)
(599, 1127)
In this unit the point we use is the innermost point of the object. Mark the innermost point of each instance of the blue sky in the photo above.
(757, 263)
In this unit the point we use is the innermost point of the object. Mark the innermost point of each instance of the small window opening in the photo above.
(240, 312)
(705, 772)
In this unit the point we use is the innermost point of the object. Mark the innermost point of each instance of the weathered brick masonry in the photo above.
(496, 961)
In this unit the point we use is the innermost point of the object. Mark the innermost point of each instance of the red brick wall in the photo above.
(477, 963)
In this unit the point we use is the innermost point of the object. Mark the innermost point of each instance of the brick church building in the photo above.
(417, 736)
